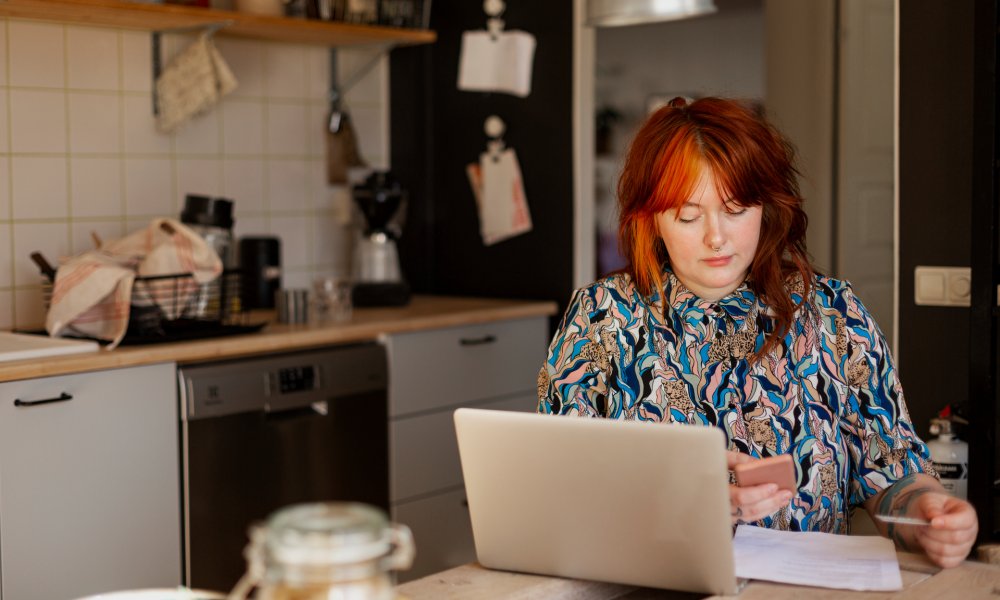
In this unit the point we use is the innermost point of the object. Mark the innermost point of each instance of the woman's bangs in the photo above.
(680, 165)
(736, 178)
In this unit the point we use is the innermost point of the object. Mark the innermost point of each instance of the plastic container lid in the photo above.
(205, 210)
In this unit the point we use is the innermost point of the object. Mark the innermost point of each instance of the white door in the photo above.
(864, 206)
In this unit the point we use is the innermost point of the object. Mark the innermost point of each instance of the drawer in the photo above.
(454, 366)
(423, 451)
(442, 533)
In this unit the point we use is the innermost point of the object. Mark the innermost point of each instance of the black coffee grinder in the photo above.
(378, 280)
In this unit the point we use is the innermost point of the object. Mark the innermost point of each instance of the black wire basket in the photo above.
(173, 308)
(169, 308)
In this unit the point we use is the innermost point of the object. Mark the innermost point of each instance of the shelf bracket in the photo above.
(156, 45)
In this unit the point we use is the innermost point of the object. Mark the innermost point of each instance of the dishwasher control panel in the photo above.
(280, 382)
(297, 379)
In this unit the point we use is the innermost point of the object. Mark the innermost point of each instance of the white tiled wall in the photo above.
(80, 154)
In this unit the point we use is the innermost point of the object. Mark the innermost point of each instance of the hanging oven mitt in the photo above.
(192, 83)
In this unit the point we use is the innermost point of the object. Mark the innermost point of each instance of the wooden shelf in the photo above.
(166, 17)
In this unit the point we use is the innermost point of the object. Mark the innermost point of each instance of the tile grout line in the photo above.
(174, 169)
(122, 204)
(265, 136)
(312, 248)
(69, 145)
(12, 263)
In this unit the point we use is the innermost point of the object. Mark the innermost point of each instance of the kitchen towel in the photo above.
(192, 83)
(94, 291)
(500, 62)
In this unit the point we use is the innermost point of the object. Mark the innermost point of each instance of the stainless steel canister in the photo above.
(292, 305)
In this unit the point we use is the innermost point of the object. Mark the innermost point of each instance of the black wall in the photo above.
(948, 181)
(437, 130)
(936, 61)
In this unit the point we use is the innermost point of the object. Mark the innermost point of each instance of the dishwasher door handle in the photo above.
(316, 409)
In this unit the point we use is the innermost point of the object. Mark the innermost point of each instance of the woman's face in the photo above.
(711, 240)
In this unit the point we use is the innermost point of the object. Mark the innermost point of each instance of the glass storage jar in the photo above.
(325, 551)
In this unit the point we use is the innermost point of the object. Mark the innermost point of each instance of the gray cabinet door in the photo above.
(440, 520)
(89, 486)
(442, 533)
(431, 373)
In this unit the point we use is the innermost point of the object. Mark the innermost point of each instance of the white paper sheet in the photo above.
(816, 559)
(501, 63)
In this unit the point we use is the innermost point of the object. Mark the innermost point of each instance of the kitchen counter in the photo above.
(423, 312)
(921, 579)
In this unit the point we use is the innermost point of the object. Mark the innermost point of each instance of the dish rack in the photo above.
(171, 308)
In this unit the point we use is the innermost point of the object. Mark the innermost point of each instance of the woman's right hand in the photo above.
(749, 504)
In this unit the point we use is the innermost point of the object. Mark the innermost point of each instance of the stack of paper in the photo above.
(816, 559)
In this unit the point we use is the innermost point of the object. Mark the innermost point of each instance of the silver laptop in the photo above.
(635, 503)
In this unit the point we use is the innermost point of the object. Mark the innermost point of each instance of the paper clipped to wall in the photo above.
(499, 190)
(497, 62)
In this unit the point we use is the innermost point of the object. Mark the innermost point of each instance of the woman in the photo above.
(720, 319)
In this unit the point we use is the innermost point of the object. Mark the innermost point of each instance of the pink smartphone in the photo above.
(773, 469)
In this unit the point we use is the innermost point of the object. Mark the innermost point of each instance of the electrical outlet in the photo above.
(942, 286)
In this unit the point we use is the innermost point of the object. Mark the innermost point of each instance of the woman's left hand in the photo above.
(755, 502)
(952, 531)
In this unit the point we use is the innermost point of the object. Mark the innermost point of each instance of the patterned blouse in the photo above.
(828, 394)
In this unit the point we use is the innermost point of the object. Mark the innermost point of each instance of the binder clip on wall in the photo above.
(498, 188)
(496, 60)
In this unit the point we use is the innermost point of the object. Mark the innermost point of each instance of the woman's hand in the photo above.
(949, 537)
(754, 502)
(953, 522)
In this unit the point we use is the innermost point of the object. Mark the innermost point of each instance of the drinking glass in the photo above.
(332, 299)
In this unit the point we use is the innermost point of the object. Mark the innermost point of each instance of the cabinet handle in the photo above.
(486, 339)
(63, 397)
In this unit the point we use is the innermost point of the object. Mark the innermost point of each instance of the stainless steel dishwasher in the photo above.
(261, 433)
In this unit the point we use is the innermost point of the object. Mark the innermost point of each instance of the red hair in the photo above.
(752, 163)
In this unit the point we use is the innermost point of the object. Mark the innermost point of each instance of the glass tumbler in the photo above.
(332, 299)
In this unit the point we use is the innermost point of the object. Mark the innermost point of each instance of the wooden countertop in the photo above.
(921, 580)
(423, 312)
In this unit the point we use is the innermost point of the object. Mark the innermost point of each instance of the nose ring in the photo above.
(719, 249)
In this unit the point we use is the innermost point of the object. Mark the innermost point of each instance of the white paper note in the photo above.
(501, 63)
(816, 559)
(499, 191)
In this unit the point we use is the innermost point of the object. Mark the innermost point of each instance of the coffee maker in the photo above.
(378, 280)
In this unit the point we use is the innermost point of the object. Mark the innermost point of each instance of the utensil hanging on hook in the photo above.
(341, 140)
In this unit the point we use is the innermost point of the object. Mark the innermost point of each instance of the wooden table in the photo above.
(921, 580)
